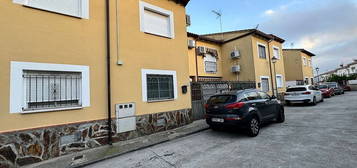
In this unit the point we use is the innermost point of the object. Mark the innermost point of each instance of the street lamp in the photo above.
(317, 73)
(274, 60)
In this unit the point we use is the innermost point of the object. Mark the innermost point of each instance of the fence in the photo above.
(201, 91)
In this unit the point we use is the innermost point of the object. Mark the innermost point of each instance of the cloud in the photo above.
(269, 12)
(327, 28)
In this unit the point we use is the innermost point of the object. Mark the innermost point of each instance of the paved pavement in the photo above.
(312, 136)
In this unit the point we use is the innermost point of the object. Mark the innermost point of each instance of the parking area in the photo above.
(324, 135)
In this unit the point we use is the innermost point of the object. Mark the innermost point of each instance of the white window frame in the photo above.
(145, 72)
(304, 60)
(261, 83)
(17, 83)
(209, 58)
(282, 80)
(266, 52)
(84, 8)
(146, 6)
(275, 47)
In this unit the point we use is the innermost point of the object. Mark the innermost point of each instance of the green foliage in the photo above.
(337, 78)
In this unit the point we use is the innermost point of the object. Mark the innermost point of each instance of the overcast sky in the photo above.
(327, 28)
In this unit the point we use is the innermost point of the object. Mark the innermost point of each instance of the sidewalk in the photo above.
(105, 152)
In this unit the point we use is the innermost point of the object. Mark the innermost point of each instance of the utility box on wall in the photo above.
(126, 120)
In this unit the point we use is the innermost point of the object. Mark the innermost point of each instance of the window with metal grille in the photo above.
(262, 52)
(210, 66)
(160, 87)
(52, 89)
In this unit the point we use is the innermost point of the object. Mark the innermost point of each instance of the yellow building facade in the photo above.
(298, 66)
(246, 55)
(54, 74)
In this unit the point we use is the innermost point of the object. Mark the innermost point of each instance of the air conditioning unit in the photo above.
(188, 20)
(235, 68)
(201, 50)
(235, 54)
(191, 44)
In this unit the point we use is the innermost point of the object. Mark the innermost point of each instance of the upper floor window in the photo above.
(304, 61)
(76, 8)
(157, 21)
(262, 51)
(39, 87)
(310, 63)
(276, 53)
(210, 63)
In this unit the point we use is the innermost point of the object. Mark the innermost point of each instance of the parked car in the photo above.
(244, 109)
(338, 89)
(327, 91)
(346, 88)
(303, 94)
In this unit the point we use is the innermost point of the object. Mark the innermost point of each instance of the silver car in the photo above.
(307, 94)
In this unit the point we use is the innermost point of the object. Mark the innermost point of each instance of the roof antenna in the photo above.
(256, 27)
(292, 45)
(219, 16)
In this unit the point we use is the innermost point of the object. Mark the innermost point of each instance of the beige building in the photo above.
(243, 55)
(57, 58)
(298, 66)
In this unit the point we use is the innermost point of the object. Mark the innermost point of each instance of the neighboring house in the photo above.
(298, 67)
(205, 58)
(352, 67)
(342, 71)
(245, 55)
(54, 90)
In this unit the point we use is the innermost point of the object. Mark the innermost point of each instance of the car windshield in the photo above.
(332, 85)
(323, 87)
(222, 99)
(297, 89)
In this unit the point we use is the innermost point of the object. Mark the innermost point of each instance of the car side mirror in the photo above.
(272, 97)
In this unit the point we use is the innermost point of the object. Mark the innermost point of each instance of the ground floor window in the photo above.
(158, 85)
(40, 87)
(279, 81)
(264, 84)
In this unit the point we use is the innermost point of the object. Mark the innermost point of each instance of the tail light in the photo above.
(206, 106)
(235, 105)
(306, 93)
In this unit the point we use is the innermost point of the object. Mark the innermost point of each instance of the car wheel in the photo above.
(314, 101)
(287, 103)
(281, 116)
(253, 127)
(215, 128)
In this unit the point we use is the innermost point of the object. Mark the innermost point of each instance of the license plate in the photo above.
(218, 120)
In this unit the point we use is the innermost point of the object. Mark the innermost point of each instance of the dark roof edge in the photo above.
(202, 38)
(302, 50)
(258, 33)
(182, 2)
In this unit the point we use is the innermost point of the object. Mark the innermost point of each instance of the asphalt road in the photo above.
(312, 136)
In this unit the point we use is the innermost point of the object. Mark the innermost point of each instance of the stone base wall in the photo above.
(31, 146)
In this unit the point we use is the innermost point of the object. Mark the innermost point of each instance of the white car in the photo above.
(303, 94)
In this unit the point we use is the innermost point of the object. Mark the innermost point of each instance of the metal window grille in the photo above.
(262, 52)
(51, 90)
(211, 66)
(160, 87)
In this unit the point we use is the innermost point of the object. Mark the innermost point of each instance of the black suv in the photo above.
(245, 108)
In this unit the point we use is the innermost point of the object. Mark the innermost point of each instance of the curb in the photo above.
(90, 156)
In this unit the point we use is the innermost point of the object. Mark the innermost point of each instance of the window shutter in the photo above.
(77, 8)
(157, 23)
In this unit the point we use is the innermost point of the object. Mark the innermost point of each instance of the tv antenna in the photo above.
(292, 45)
(219, 16)
(256, 27)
